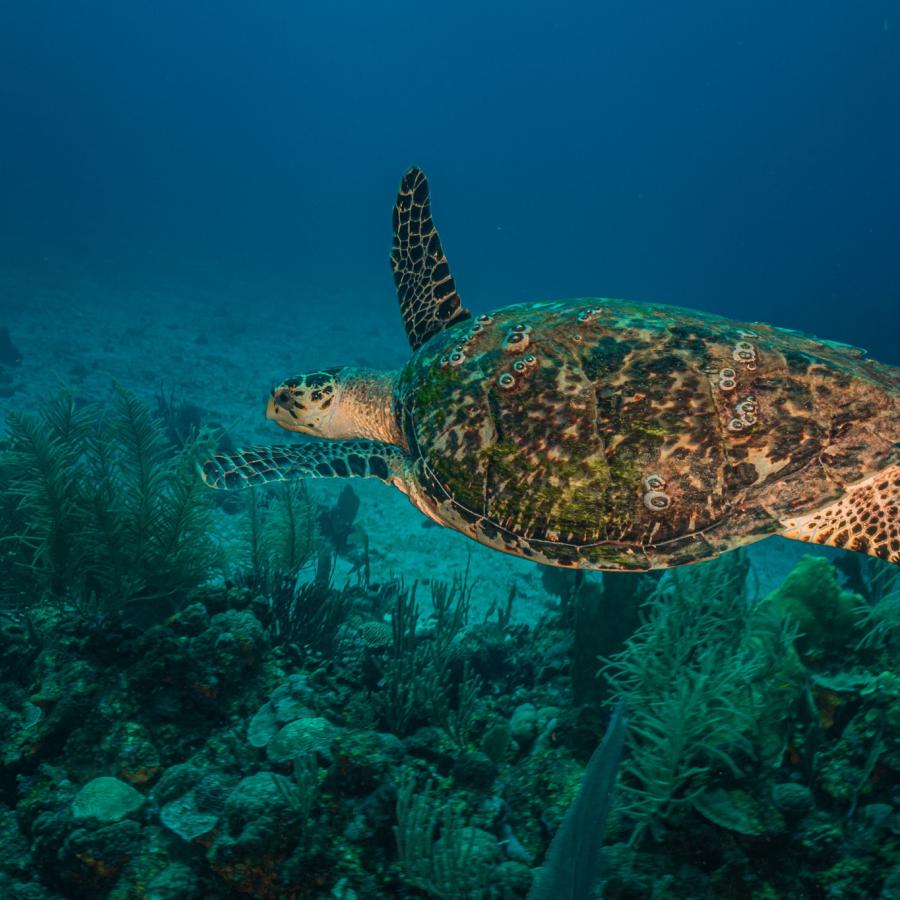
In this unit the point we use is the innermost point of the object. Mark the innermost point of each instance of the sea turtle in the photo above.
(597, 433)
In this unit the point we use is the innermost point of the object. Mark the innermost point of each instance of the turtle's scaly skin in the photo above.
(616, 435)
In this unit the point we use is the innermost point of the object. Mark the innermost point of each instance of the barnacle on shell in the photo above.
(656, 501)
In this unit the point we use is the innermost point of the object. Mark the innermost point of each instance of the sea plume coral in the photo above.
(696, 677)
(104, 511)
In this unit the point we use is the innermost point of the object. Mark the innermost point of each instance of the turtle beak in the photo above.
(281, 407)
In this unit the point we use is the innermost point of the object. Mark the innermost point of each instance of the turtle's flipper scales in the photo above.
(866, 519)
(426, 289)
(312, 459)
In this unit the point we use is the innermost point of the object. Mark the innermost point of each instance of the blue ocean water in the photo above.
(195, 202)
(738, 158)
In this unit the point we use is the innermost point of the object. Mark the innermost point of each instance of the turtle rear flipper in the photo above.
(426, 289)
(313, 459)
(865, 519)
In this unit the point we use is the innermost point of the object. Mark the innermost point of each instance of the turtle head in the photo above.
(338, 403)
(307, 403)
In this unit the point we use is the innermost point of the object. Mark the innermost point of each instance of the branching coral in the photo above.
(106, 511)
(456, 865)
(879, 620)
(280, 534)
(695, 675)
(306, 618)
(416, 675)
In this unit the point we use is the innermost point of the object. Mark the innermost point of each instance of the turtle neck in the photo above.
(365, 407)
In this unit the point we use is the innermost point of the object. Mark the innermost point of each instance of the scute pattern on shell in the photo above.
(543, 445)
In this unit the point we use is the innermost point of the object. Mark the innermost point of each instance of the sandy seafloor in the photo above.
(222, 348)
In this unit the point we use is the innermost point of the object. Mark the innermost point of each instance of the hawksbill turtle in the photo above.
(597, 433)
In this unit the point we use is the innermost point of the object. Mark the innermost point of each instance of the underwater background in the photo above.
(310, 692)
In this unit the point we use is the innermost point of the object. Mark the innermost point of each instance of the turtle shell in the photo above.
(615, 434)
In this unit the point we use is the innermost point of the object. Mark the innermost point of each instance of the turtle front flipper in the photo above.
(865, 519)
(312, 459)
(426, 290)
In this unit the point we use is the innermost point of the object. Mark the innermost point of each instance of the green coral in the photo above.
(280, 535)
(884, 693)
(106, 800)
(104, 511)
(697, 678)
(456, 865)
(811, 597)
(737, 810)
(880, 620)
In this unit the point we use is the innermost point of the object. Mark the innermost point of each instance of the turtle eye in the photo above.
(283, 398)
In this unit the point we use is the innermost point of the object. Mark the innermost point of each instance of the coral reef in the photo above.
(192, 706)
(100, 511)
